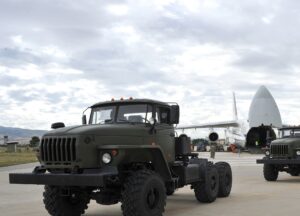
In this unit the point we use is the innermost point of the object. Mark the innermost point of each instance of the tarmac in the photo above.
(251, 194)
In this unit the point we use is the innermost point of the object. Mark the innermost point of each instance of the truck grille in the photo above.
(279, 150)
(58, 149)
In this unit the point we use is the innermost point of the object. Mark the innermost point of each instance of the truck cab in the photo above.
(113, 125)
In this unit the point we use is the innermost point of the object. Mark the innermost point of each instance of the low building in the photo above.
(12, 146)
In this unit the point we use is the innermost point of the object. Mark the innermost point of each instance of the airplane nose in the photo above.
(264, 110)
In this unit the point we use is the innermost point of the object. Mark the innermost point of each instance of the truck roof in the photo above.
(289, 128)
(130, 101)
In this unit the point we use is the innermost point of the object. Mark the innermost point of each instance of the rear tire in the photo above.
(225, 179)
(58, 205)
(170, 191)
(144, 194)
(207, 191)
(270, 172)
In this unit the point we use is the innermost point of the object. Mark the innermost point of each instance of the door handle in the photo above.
(172, 134)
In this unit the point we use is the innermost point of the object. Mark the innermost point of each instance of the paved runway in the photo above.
(251, 195)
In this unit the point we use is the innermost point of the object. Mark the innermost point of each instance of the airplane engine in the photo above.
(213, 136)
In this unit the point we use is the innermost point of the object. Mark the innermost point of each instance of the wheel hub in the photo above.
(213, 182)
(152, 198)
(227, 180)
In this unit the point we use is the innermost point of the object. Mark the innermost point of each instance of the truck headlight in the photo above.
(267, 152)
(298, 153)
(106, 158)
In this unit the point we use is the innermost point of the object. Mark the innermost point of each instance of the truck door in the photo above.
(165, 134)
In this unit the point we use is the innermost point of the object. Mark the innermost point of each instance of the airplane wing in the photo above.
(225, 124)
(211, 125)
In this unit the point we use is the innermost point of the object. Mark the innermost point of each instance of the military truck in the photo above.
(127, 152)
(283, 154)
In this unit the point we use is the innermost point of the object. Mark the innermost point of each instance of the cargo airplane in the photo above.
(263, 118)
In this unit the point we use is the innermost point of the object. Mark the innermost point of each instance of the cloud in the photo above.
(117, 9)
(58, 57)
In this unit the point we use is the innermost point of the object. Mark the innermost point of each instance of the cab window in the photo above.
(163, 115)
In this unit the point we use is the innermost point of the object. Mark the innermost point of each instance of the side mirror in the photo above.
(57, 125)
(84, 121)
(174, 114)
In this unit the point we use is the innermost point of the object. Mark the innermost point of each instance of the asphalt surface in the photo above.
(251, 195)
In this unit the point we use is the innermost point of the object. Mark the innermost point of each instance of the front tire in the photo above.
(144, 194)
(270, 172)
(225, 179)
(207, 190)
(57, 204)
(294, 173)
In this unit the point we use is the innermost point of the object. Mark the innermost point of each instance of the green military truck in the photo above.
(127, 152)
(283, 154)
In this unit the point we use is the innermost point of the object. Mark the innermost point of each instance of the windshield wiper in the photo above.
(123, 120)
(127, 121)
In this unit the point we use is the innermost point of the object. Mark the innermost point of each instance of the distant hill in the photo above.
(17, 133)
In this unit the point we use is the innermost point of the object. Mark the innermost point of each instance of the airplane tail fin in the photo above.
(235, 114)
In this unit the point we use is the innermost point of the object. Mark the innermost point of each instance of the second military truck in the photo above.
(283, 154)
(127, 152)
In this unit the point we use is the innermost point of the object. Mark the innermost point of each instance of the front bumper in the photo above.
(98, 178)
(278, 161)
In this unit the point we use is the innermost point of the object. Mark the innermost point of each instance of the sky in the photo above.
(58, 57)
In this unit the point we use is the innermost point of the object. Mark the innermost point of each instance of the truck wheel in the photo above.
(207, 191)
(225, 179)
(270, 172)
(57, 204)
(294, 173)
(144, 194)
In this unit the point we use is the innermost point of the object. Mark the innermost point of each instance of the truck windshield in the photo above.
(102, 115)
(137, 113)
(131, 113)
(290, 132)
